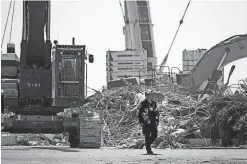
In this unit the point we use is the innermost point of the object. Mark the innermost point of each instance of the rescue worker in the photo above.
(149, 119)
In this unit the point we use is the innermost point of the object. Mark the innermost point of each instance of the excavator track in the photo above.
(88, 133)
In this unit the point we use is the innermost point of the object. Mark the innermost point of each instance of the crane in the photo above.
(127, 25)
(167, 55)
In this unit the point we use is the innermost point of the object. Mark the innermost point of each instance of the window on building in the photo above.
(125, 68)
(141, 3)
(145, 32)
(123, 76)
(124, 55)
(68, 68)
(150, 65)
(147, 45)
(143, 14)
(138, 63)
(125, 63)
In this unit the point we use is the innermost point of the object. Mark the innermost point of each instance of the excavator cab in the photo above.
(68, 74)
(10, 63)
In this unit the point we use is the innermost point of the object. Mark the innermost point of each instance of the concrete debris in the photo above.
(181, 120)
(42, 139)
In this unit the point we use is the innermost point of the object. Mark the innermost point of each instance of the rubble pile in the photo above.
(42, 139)
(182, 117)
(227, 118)
(119, 116)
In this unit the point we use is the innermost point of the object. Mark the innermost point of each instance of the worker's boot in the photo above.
(150, 152)
(148, 148)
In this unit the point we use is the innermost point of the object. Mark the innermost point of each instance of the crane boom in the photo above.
(124, 16)
(180, 23)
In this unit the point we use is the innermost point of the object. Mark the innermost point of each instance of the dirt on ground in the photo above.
(65, 155)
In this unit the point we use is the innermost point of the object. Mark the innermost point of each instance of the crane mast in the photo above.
(35, 59)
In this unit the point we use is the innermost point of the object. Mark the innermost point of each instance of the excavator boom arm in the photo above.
(216, 58)
(35, 61)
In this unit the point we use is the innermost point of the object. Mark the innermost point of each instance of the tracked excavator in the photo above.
(46, 81)
(207, 72)
(209, 68)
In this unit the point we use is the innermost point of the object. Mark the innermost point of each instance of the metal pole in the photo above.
(223, 59)
(82, 73)
(140, 77)
(48, 25)
(86, 79)
(24, 24)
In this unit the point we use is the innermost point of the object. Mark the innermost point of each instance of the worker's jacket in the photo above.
(148, 112)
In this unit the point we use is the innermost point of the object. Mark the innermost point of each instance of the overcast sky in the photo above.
(99, 25)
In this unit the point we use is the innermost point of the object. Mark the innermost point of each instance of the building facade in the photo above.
(191, 57)
(129, 63)
(139, 43)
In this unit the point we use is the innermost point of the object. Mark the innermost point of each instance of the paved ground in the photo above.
(65, 155)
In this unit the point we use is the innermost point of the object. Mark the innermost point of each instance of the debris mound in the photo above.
(185, 120)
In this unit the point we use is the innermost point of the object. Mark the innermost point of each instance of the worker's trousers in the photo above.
(150, 131)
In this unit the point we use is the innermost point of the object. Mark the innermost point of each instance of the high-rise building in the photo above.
(129, 63)
(191, 57)
(139, 43)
